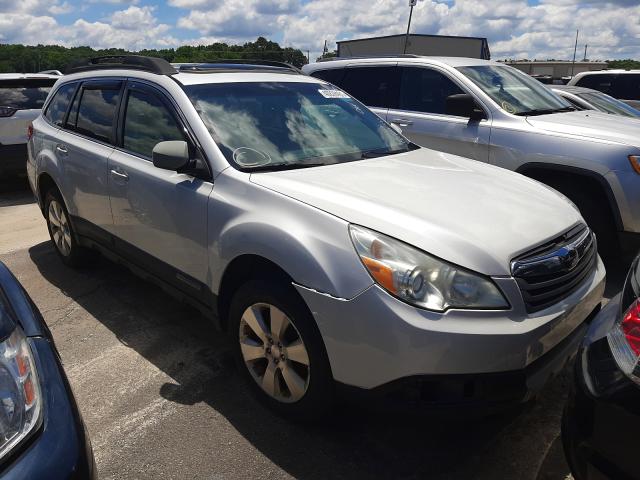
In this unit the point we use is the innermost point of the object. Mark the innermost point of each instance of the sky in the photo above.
(539, 29)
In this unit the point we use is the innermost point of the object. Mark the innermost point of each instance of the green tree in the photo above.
(34, 58)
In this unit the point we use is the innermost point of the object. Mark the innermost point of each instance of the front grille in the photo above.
(556, 269)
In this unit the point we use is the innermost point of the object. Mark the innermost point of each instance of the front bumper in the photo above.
(602, 416)
(13, 159)
(375, 339)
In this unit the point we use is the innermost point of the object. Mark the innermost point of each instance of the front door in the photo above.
(160, 216)
(423, 118)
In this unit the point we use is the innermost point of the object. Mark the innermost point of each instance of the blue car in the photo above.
(42, 434)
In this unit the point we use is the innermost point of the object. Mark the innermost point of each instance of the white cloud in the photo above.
(514, 28)
(134, 28)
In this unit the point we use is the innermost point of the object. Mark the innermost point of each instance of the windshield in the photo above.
(290, 124)
(24, 94)
(514, 91)
(608, 104)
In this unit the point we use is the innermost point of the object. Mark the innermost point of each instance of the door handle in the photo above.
(403, 122)
(120, 175)
(62, 148)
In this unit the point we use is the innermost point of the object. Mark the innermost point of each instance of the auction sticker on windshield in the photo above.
(333, 94)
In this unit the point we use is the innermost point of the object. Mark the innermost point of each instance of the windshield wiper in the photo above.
(381, 152)
(544, 111)
(277, 167)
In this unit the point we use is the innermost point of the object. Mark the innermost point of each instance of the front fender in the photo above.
(313, 247)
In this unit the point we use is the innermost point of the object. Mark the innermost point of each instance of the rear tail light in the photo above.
(624, 341)
(30, 131)
(7, 111)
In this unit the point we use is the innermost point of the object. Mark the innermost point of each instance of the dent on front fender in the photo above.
(313, 247)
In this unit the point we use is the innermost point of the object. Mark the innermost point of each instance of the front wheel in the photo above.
(279, 350)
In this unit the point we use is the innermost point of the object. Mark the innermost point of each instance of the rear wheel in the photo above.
(279, 350)
(61, 231)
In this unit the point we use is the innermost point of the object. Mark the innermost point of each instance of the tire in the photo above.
(272, 359)
(594, 207)
(62, 234)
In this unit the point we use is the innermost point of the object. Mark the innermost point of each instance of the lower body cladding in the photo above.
(13, 159)
(376, 342)
(602, 419)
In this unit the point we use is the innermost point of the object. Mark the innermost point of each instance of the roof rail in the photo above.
(399, 55)
(229, 64)
(128, 62)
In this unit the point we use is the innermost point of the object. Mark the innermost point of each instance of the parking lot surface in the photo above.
(161, 399)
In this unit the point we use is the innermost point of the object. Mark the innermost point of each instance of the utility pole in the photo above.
(308, 58)
(585, 52)
(412, 3)
(575, 48)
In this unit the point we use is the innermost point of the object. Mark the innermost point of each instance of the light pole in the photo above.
(573, 63)
(412, 3)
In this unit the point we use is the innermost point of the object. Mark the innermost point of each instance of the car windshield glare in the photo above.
(258, 125)
(514, 91)
(609, 104)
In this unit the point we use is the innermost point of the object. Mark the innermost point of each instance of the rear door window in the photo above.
(25, 94)
(426, 90)
(627, 87)
(59, 105)
(598, 81)
(148, 121)
(373, 86)
(94, 111)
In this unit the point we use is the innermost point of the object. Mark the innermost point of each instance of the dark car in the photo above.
(602, 417)
(41, 432)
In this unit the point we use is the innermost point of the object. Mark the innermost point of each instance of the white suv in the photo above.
(21, 98)
(332, 249)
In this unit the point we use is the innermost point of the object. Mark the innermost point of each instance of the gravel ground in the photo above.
(161, 399)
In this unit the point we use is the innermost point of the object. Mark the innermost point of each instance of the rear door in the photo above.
(422, 116)
(374, 85)
(160, 216)
(85, 152)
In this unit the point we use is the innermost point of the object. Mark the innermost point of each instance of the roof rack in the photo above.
(399, 55)
(233, 64)
(128, 62)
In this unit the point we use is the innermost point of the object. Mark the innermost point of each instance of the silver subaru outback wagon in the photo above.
(332, 250)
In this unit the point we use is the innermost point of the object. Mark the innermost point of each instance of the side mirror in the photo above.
(172, 155)
(464, 105)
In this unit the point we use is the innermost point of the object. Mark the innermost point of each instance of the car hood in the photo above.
(472, 214)
(592, 124)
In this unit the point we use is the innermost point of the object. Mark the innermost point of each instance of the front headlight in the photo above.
(20, 398)
(420, 279)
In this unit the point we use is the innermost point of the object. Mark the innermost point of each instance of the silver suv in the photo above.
(494, 113)
(333, 251)
(21, 98)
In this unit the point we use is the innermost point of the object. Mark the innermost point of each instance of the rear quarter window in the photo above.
(60, 103)
(25, 94)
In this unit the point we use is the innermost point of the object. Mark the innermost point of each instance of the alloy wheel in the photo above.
(274, 352)
(60, 229)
